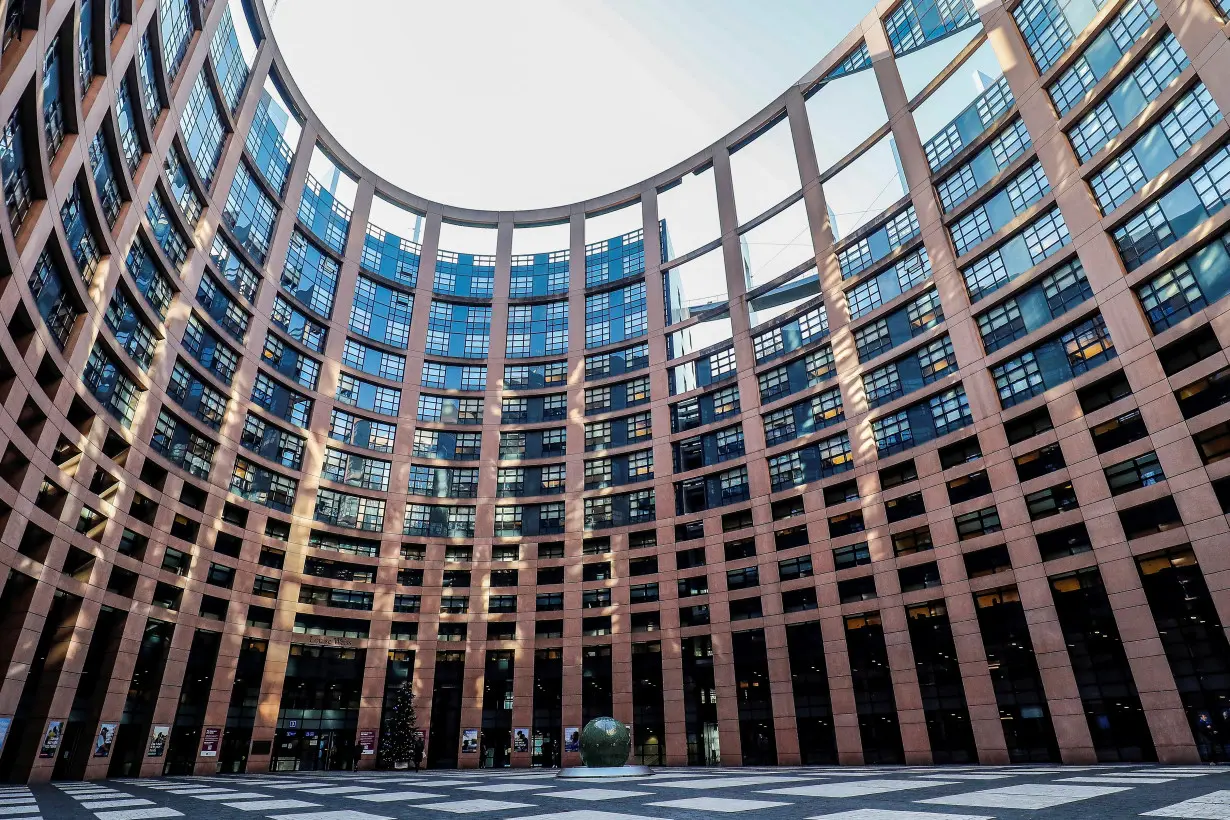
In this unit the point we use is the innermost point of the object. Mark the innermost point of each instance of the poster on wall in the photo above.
(469, 742)
(211, 741)
(158, 741)
(6, 723)
(521, 740)
(106, 737)
(572, 739)
(367, 741)
(52, 738)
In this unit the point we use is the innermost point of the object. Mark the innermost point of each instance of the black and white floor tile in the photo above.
(811, 793)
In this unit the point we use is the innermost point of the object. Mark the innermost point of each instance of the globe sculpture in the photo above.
(605, 742)
(605, 745)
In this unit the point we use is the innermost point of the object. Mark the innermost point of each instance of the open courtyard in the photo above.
(824, 793)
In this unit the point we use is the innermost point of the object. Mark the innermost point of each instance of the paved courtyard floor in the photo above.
(816, 793)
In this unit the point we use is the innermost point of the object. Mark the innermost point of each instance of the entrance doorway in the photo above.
(496, 745)
(313, 750)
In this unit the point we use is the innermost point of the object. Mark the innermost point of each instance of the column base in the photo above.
(603, 772)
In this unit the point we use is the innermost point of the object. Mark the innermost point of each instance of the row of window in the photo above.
(794, 334)
(1042, 237)
(1188, 203)
(198, 339)
(1122, 477)
(1053, 362)
(989, 216)
(862, 253)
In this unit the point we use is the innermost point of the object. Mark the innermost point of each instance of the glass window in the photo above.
(166, 234)
(346, 510)
(232, 50)
(15, 171)
(368, 395)
(1124, 29)
(622, 255)
(1171, 296)
(537, 330)
(461, 331)
(892, 433)
(113, 389)
(539, 267)
(250, 213)
(362, 432)
(132, 334)
(914, 23)
(175, 21)
(393, 256)
(943, 143)
(201, 128)
(1147, 80)
(375, 362)
(271, 137)
(381, 313)
(129, 138)
(1018, 379)
(1049, 27)
(615, 316)
(328, 195)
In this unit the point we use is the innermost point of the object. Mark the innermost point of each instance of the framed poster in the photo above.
(521, 740)
(106, 737)
(211, 741)
(158, 741)
(6, 723)
(469, 741)
(367, 741)
(572, 739)
(51, 739)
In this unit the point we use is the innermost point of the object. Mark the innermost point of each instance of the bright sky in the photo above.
(500, 105)
(517, 105)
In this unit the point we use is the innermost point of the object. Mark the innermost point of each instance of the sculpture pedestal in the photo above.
(605, 744)
(603, 772)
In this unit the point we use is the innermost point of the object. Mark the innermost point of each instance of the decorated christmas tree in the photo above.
(402, 735)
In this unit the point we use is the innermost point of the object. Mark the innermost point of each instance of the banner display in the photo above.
(469, 742)
(572, 739)
(211, 741)
(367, 741)
(106, 737)
(158, 741)
(52, 738)
(521, 740)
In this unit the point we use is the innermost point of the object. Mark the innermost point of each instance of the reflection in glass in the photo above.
(391, 247)
(784, 298)
(273, 135)
(470, 272)
(963, 106)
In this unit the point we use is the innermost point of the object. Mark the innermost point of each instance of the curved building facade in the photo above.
(892, 427)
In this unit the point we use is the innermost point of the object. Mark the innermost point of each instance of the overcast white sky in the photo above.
(534, 103)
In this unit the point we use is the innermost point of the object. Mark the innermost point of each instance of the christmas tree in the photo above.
(400, 740)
